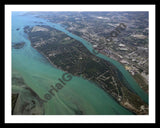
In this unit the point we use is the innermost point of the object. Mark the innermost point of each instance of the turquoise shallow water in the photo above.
(39, 74)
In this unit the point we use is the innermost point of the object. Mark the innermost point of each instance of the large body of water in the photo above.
(78, 93)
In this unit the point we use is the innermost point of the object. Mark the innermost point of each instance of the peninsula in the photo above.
(71, 56)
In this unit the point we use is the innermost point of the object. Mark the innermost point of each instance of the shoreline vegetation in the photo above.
(71, 56)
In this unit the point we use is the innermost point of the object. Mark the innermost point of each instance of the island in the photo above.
(17, 29)
(18, 45)
(73, 57)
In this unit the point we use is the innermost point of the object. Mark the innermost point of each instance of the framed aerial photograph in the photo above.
(80, 63)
